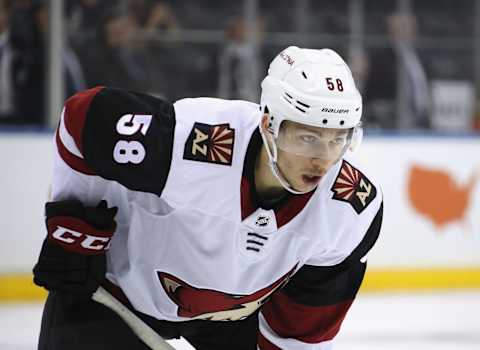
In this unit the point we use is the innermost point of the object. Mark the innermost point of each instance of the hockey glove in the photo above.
(72, 258)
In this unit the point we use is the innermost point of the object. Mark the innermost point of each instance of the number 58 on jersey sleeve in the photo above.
(118, 135)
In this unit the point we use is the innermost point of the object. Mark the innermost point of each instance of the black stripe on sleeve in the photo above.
(321, 285)
(370, 237)
(328, 285)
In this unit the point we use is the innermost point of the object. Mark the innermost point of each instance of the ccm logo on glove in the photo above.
(75, 235)
(80, 229)
(72, 258)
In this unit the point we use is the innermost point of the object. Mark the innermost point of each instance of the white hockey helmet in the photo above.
(311, 87)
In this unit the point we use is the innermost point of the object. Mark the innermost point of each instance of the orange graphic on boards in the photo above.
(435, 194)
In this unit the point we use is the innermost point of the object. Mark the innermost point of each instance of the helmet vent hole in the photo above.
(304, 75)
(342, 122)
(303, 104)
(325, 121)
(286, 99)
(301, 110)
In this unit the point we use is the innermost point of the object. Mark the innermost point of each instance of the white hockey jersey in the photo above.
(193, 240)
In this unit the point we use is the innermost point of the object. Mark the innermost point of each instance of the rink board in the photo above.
(20, 287)
(430, 237)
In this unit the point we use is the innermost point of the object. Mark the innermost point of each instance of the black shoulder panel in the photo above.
(325, 285)
(328, 285)
(128, 138)
(370, 237)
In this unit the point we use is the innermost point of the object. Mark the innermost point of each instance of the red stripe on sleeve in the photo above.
(265, 344)
(76, 108)
(309, 324)
(74, 162)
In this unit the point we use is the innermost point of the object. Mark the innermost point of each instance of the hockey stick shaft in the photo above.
(140, 328)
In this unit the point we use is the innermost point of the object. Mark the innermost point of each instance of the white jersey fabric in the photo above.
(201, 249)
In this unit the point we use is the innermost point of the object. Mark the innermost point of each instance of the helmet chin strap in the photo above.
(272, 162)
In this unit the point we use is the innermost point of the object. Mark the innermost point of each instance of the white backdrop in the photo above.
(410, 238)
(26, 162)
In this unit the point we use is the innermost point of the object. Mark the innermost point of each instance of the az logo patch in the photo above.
(353, 187)
(210, 143)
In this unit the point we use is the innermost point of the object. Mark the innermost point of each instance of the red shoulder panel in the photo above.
(76, 109)
(264, 344)
(72, 160)
(309, 324)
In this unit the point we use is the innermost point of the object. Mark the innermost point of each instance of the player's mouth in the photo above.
(311, 179)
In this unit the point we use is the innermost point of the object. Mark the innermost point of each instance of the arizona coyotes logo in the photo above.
(210, 143)
(353, 187)
(209, 304)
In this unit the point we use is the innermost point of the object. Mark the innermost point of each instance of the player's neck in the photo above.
(266, 184)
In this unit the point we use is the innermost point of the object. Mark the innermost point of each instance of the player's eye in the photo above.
(308, 138)
(338, 141)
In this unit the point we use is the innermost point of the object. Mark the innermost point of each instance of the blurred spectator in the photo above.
(84, 17)
(237, 78)
(156, 22)
(396, 89)
(358, 62)
(176, 68)
(112, 58)
(29, 30)
(154, 15)
(6, 82)
(28, 65)
(476, 117)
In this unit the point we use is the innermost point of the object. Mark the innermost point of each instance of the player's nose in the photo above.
(319, 166)
(321, 163)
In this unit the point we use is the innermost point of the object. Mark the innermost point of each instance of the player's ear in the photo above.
(265, 121)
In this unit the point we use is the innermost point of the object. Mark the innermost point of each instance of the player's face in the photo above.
(306, 153)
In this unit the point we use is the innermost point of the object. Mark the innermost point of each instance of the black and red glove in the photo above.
(72, 258)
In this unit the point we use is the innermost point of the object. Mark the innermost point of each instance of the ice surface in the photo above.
(433, 321)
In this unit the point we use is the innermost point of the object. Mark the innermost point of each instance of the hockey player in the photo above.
(233, 225)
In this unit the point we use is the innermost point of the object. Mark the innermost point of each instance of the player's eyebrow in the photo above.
(321, 131)
(341, 132)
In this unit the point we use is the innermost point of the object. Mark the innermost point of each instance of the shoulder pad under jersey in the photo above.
(119, 135)
(349, 207)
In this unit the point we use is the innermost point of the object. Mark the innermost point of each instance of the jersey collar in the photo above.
(285, 209)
